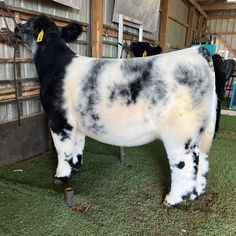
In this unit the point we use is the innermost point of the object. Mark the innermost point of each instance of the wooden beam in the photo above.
(26, 14)
(9, 93)
(178, 21)
(109, 31)
(214, 6)
(164, 23)
(221, 17)
(199, 27)
(198, 7)
(18, 60)
(225, 33)
(21, 99)
(175, 46)
(19, 80)
(189, 34)
(96, 27)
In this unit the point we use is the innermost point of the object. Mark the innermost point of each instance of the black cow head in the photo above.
(39, 30)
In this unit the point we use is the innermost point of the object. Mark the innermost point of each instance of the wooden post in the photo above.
(204, 25)
(96, 27)
(190, 26)
(164, 22)
(199, 27)
(198, 8)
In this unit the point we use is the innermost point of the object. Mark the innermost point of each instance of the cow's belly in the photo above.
(131, 136)
(121, 125)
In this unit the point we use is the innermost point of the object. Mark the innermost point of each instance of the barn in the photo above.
(117, 117)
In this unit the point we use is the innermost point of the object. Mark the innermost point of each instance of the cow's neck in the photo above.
(52, 58)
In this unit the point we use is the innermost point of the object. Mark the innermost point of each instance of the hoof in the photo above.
(194, 195)
(60, 180)
(74, 171)
(75, 167)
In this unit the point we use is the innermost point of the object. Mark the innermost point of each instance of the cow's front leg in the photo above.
(184, 167)
(77, 160)
(69, 145)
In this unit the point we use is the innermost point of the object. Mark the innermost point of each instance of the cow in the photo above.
(126, 102)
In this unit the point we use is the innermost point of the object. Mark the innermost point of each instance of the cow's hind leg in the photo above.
(69, 145)
(183, 159)
(206, 136)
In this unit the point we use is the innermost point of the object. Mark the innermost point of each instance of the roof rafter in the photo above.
(199, 8)
(214, 6)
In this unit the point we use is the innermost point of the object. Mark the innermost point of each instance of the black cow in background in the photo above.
(224, 70)
(141, 49)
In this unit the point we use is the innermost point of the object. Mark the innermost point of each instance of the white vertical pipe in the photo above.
(140, 33)
(120, 34)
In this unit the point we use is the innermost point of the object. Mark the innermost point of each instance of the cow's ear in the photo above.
(71, 32)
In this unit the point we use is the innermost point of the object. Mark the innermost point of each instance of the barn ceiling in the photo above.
(212, 5)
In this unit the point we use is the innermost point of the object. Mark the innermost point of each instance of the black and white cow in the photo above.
(126, 102)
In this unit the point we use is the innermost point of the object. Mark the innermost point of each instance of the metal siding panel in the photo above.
(224, 25)
(31, 107)
(79, 49)
(111, 51)
(7, 111)
(233, 45)
(230, 27)
(3, 113)
(108, 6)
(179, 10)
(218, 25)
(228, 39)
(176, 34)
(11, 112)
(49, 7)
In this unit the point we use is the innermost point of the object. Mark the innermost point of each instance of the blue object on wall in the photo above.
(231, 106)
(211, 47)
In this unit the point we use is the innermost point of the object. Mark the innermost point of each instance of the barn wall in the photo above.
(31, 138)
(177, 24)
(25, 141)
(180, 30)
(110, 40)
(224, 27)
(27, 70)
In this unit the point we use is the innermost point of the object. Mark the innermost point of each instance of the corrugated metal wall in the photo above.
(31, 105)
(224, 27)
(7, 111)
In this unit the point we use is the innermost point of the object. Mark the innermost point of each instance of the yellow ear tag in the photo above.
(40, 36)
(145, 53)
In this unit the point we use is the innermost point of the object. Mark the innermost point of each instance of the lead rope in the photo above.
(12, 41)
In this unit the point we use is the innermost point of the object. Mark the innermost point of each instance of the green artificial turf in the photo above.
(123, 199)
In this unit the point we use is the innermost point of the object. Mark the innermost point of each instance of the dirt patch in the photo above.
(226, 134)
